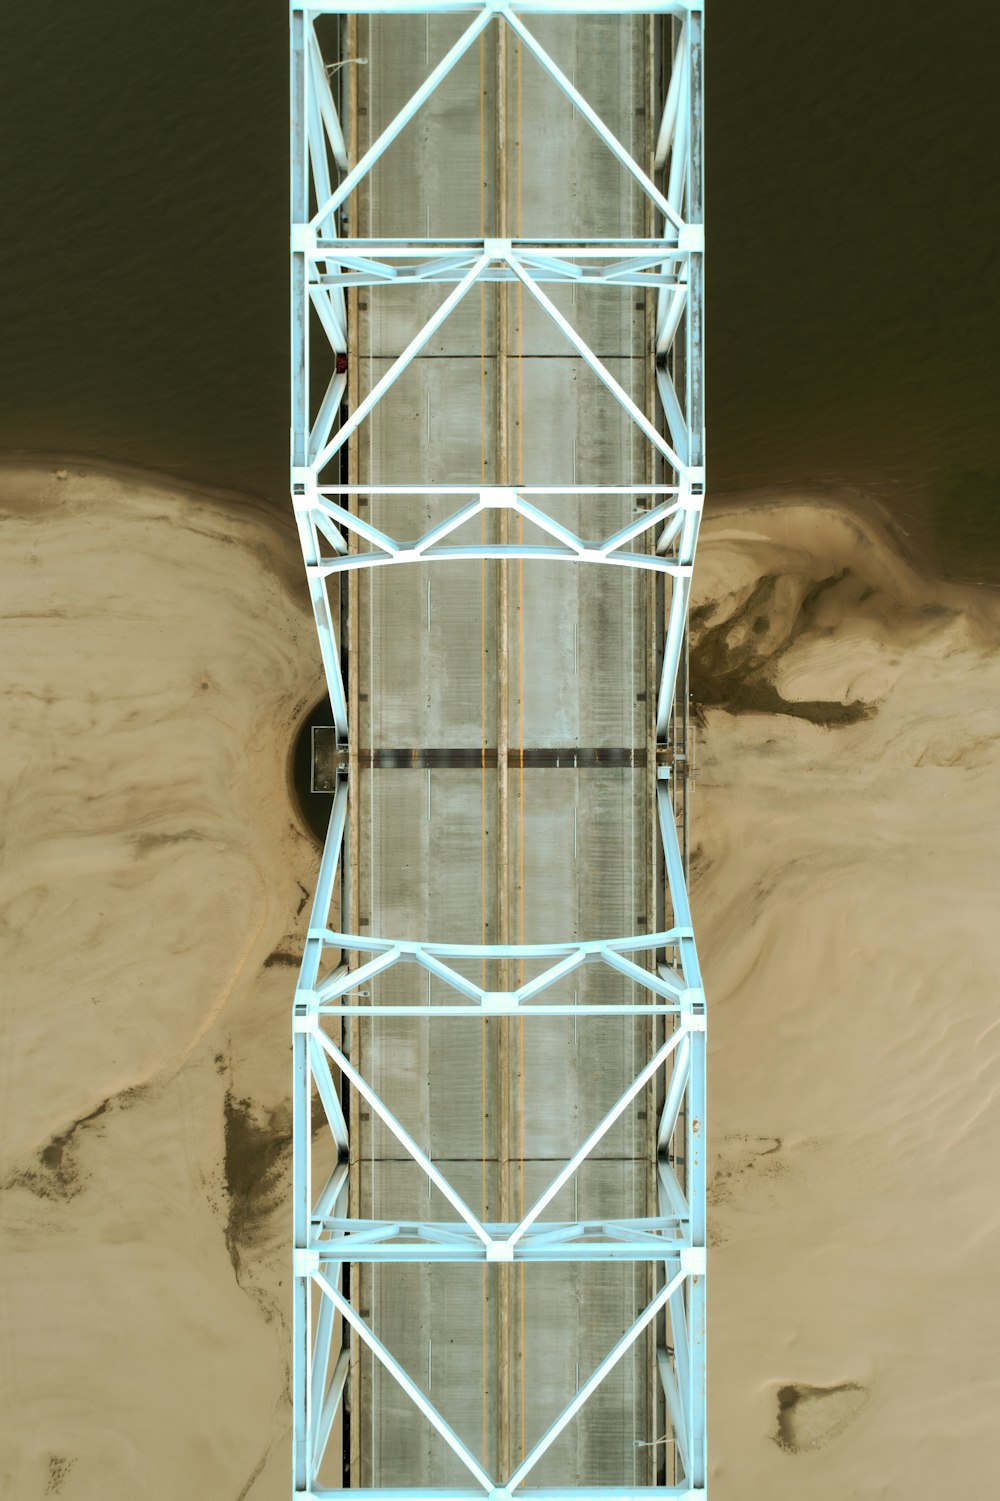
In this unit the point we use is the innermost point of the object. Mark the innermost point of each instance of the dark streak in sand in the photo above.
(737, 677)
(58, 1176)
(256, 1156)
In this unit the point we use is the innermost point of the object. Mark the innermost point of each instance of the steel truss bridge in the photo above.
(448, 984)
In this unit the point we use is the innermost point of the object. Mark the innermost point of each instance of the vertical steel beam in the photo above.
(301, 1083)
(698, 1100)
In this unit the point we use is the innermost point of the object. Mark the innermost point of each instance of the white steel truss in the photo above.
(340, 969)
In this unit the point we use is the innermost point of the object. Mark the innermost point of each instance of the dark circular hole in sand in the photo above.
(313, 806)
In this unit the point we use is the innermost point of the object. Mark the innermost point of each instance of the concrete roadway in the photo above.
(445, 854)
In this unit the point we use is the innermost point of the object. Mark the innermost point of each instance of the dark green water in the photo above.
(854, 315)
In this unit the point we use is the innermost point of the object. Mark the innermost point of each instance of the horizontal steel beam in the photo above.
(524, 1493)
(522, 7)
(356, 562)
(416, 489)
(417, 1011)
(387, 1251)
(592, 948)
(415, 248)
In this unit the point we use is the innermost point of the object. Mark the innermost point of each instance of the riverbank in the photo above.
(158, 656)
(843, 877)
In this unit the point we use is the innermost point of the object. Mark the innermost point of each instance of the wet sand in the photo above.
(844, 883)
(155, 664)
(157, 658)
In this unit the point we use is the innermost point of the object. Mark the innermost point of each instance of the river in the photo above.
(853, 315)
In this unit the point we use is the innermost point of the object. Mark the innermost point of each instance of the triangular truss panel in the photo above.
(353, 978)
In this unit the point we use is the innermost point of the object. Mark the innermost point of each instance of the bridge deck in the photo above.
(482, 657)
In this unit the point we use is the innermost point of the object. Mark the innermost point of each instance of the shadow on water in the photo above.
(313, 806)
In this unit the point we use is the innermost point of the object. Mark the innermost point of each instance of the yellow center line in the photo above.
(520, 702)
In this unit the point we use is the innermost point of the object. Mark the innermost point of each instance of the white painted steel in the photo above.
(661, 538)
